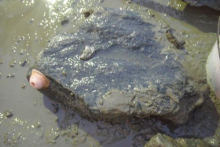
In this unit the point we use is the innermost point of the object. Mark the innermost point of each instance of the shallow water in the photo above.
(25, 28)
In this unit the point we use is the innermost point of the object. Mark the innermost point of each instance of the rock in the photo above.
(162, 140)
(8, 114)
(87, 53)
(201, 128)
(117, 66)
(214, 4)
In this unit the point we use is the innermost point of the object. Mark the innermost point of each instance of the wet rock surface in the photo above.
(116, 66)
(161, 140)
(214, 4)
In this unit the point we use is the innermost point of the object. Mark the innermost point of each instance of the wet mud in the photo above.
(27, 118)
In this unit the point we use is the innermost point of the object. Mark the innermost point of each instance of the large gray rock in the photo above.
(116, 66)
(214, 4)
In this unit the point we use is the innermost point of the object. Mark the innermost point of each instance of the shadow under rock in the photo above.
(203, 123)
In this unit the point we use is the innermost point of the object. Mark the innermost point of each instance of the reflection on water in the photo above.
(26, 26)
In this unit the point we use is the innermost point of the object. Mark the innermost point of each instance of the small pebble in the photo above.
(1, 62)
(8, 114)
(87, 53)
(12, 75)
(30, 21)
(64, 73)
(11, 65)
(101, 102)
(23, 63)
(23, 86)
(9, 75)
(38, 125)
(21, 52)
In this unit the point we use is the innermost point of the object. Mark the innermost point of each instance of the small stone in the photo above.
(21, 52)
(1, 62)
(64, 73)
(40, 24)
(87, 53)
(8, 114)
(23, 63)
(9, 75)
(101, 102)
(12, 75)
(23, 86)
(30, 21)
(38, 125)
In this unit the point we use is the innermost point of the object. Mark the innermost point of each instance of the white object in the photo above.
(213, 70)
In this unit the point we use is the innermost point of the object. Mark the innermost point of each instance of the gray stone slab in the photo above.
(117, 65)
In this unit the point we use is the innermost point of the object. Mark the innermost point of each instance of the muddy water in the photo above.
(27, 118)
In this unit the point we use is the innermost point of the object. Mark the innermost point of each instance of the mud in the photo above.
(27, 26)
